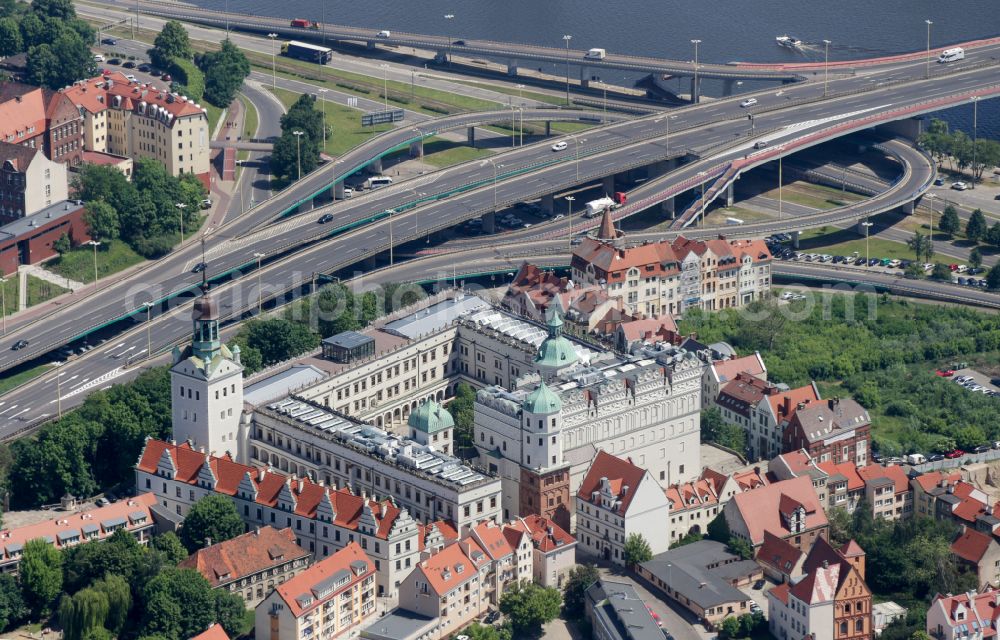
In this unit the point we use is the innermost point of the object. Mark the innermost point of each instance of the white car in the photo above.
(961, 269)
(788, 295)
(749, 102)
(98, 58)
(927, 266)
(560, 146)
(959, 186)
(559, 217)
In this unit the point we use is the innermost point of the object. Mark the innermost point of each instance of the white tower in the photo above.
(206, 383)
(542, 411)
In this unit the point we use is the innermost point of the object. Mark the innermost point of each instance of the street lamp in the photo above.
(180, 209)
(826, 65)
(385, 84)
(694, 87)
(390, 212)
(866, 225)
(59, 390)
(578, 141)
(149, 319)
(274, 73)
(494, 164)
(569, 216)
(567, 38)
(95, 244)
(928, 72)
(975, 136)
(449, 17)
(322, 93)
(3, 303)
(298, 149)
(260, 291)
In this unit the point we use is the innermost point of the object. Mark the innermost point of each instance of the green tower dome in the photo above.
(430, 417)
(542, 401)
(555, 352)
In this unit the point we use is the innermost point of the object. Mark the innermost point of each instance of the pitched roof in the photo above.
(819, 585)
(761, 509)
(214, 632)
(453, 566)
(929, 480)
(791, 399)
(442, 527)
(648, 328)
(619, 473)
(22, 112)
(18, 155)
(324, 580)
(726, 370)
(848, 470)
(971, 545)
(100, 93)
(778, 553)
(979, 607)
(545, 534)
(781, 592)
(851, 549)
(245, 555)
(900, 481)
(490, 537)
(818, 421)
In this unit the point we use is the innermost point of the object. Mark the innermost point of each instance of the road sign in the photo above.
(381, 117)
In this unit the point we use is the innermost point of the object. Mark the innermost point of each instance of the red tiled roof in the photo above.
(214, 632)
(245, 555)
(490, 537)
(229, 474)
(648, 327)
(804, 394)
(443, 526)
(620, 473)
(96, 95)
(819, 585)
(851, 549)
(971, 545)
(761, 509)
(453, 565)
(539, 528)
(294, 589)
(846, 469)
(929, 480)
(900, 481)
(778, 553)
(22, 113)
(983, 604)
(781, 592)
(726, 370)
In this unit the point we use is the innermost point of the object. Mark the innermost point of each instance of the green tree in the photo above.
(120, 555)
(11, 41)
(102, 221)
(179, 603)
(528, 606)
(975, 228)
(172, 42)
(718, 529)
(230, 612)
(949, 222)
(60, 9)
(941, 272)
(936, 140)
(914, 270)
(119, 597)
(12, 606)
(476, 631)
(289, 150)
(171, 547)
(277, 339)
(63, 244)
(225, 71)
(304, 116)
(32, 31)
(841, 526)
(86, 610)
(987, 155)
(993, 235)
(64, 449)
(730, 627)
(577, 582)
(637, 550)
(921, 246)
(993, 278)
(739, 547)
(462, 410)
(976, 257)
(61, 62)
(214, 517)
(41, 577)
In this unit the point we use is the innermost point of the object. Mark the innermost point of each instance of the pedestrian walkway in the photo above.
(44, 274)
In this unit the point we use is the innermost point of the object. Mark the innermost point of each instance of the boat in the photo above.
(789, 42)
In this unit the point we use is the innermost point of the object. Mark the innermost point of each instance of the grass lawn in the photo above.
(510, 91)
(718, 216)
(78, 264)
(344, 122)
(814, 195)
(214, 113)
(844, 242)
(444, 153)
(10, 287)
(41, 290)
(12, 380)
(251, 119)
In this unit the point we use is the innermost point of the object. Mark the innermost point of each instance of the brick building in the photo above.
(29, 240)
(837, 430)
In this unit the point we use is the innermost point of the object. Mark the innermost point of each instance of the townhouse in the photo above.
(836, 430)
(29, 181)
(789, 509)
(553, 551)
(695, 504)
(721, 372)
(980, 553)
(964, 616)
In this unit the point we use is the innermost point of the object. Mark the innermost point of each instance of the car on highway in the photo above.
(459, 43)
(20, 344)
(198, 268)
(559, 217)
(383, 34)
(957, 453)
(749, 102)
(326, 217)
(959, 186)
(560, 146)
(576, 241)
(109, 41)
(760, 144)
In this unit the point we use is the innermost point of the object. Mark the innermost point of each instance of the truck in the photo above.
(304, 24)
(306, 51)
(952, 55)
(734, 221)
(620, 198)
(916, 458)
(595, 54)
(596, 207)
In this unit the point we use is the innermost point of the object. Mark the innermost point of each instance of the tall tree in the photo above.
(528, 606)
(179, 603)
(225, 71)
(993, 278)
(171, 547)
(172, 42)
(230, 612)
(949, 222)
(10, 37)
(577, 582)
(41, 576)
(102, 221)
(921, 246)
(975, 228)
(119, 597)
(976, 257)
(637, 550)
(213, 517)
(12, 606)
(79, 614)
(59, 9)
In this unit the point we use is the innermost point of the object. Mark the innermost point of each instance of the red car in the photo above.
(953, 267)
(944, 373)
(957, 453)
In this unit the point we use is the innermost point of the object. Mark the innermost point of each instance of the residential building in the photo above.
(845, 487)
(790, 509)
(533, 290)
(214, 632)
(837, 430)
(927, 486)
(980, 552)
(695, 504)
(134, 515)
(252, 564)
(888, 491)
(948, 497)
(721, 372)
(324, 519)
(615, 612)
(507, 565)
(138, 120)
(553, 551)
(617, 499)
(799, 463)
(334, 596)
(704, 578)
(781, 560)
(29, 182)
(831, 601)
(965, 616)
(631, 333)
(41, 119)
(668, 277)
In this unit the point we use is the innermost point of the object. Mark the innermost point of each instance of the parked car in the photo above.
(145, 68)
(109, 41)
(983, 448)
(166, 77)
(206, 203)
(759, 584)
(939, 182)
(874, 261)
(957, 453)
(937, 457)
(129, 65)
(944, 373)
(115, 61)
(959, 186)
(492, 617)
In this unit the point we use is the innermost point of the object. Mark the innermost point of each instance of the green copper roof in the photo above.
(542, 400)
(556, 353)
(430, 417)
(553, 319)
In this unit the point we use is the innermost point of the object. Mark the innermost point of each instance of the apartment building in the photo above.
(29, 181)
(719, 373)
(838, 430)
(553, 551)
(41, 119)
(695, 504)
(334, 596)
(980, 552)
(789, 509)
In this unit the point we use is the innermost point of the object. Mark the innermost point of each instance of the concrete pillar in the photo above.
(512, 68)
(417, 148)
(584, 78)
(441, 57)
(490, 222)
(471, 136)
(795, 239)
(338, 190)
(908, 208)
(548, 127)
(727, 87)
(370, 44)
(375, 166)
(695, 90)
(667, 207)
(370, 263)
(549, 204)
(729, 194)
(608, 184)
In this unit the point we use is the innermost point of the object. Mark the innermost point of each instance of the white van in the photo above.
(951, 55)
(384, 34)
(596, 54)
(378, 181)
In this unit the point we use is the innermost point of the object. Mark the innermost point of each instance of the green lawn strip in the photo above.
(41, 290)
(12, 380)
(511, 91)
(845, 242)
(445, 153)
(78, 263)
(344, 122)
(213, 113)
(718, 216)
(10, 289)
(251, 119)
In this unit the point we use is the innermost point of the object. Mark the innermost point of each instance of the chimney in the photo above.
(833, 402)
(624, 490)
(208, 541)
(384, 509)
(256, 531)
(786, 406)
(801, 405)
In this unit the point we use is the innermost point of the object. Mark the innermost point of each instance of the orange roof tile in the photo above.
(620, 473)
(791, 400)
(22, 116)
(452, 566)
(311, 588)
(214, 632)
(761, 509)
(490, 537)
(900, 481)
(245, 555)
(97, 94)
(545, 534)
(846, 469)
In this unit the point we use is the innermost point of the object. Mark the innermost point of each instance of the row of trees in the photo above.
(959, 150)
(715, 429)
(220, 73)
(296, 155)
(55, 39)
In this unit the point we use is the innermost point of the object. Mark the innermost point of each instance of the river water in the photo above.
(730, 30)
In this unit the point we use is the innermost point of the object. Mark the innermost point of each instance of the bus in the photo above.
(306, 51)
(378, 181)
(951, 55)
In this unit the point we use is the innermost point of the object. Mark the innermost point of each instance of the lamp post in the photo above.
(260, 291)
(566, 39)
(274, 72)
(298, 150)
(180, 209)
(513, 128)
(449, 17)
(322, 93)
(780, 181)
(149, 319)
(59, 391)
(95, 244)
(694, 87)
(385, 84)
(927, 73)
(826, 65)
(495, 176)
(975, 136)
(578, 141)
(3, 302)
(569, 216)
(390, 212)
(866, 225)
